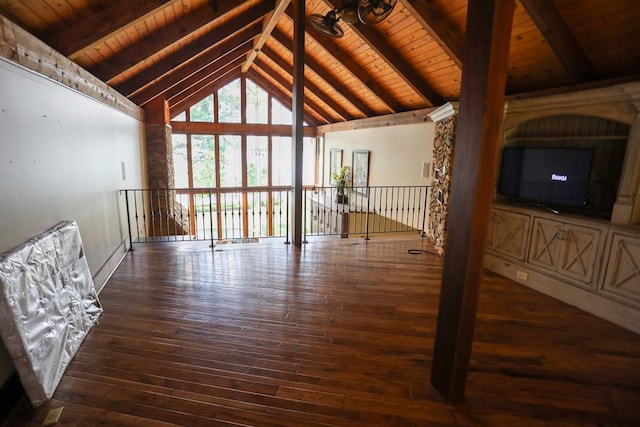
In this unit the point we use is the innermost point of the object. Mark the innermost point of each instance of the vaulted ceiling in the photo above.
(185, 49)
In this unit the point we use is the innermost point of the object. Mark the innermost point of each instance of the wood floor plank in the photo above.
(339, 333)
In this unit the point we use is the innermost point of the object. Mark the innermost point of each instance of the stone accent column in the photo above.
(168, 217)
(445, 119)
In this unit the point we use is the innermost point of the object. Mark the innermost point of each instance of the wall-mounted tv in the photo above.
(551, 176)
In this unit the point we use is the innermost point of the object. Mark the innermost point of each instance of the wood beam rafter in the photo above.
(72, 40)
(184, 72)
(223, 76)
(560, 38)
(281, 80)
(237, 128)
(309, 85)
(270, 22)
(163, 38)
(284, 99)
(195, 48)
(327, 76)
(422, 12)
(354, 69)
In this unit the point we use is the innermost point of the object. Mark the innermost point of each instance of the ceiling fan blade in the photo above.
(372, 12)
(327, 24)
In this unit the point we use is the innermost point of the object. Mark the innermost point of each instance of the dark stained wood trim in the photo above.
(381, 46)
(195, 48)
(269, 23)
(327, 76)
(138, 52)
(560, 38)
(260, 63)
(223, 76)
(310, 86)
(205, 128)
(167, 81)
(90, 30)
(475, 158)
(421, 11)
(298, 102)
(20, 47)
(356, 70)
(276, 93)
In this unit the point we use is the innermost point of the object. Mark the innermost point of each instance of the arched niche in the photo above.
(608, 138)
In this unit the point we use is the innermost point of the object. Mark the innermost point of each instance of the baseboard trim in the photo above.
(105, 272)
(10, 393)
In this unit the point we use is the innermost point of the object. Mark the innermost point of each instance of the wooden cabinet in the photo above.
(622, 279)
(508, 233)
(568, 249)
(591, 264)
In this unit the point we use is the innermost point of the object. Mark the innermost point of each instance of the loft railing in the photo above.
(250, 213)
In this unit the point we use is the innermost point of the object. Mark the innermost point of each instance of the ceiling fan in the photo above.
(368, 12)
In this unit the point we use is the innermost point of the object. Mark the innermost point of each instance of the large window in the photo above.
(237, 153)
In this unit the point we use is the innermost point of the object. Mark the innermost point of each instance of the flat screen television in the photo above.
(550, 176)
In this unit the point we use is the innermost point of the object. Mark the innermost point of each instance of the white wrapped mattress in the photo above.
(48, 304)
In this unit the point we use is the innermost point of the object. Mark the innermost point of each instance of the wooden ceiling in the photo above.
(185, 49)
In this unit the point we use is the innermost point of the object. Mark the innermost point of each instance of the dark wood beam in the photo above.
(327, 76)
(270, 22)
(99, 25)
(281, 80)
(298, 101)
(390, 55)
(309, 85)
(560, 38)
(393, 106)
(190, 68)
(195, 48)
(138, 52)
(423, 13)
(236, 128)
(475, 158)
(284, 99)
(223, 76)
(203, 76)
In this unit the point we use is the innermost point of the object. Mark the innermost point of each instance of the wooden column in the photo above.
(481, 109)
(298, 117)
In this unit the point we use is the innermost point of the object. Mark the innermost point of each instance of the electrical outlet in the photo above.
(522, 275)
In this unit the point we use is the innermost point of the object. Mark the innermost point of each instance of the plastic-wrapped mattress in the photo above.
(48, 304)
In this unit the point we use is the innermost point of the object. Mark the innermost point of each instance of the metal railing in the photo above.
(245, 214)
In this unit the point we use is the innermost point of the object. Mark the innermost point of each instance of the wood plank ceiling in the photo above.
(185, 49)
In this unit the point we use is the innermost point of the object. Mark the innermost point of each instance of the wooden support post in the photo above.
(481, 108)
(298, 118)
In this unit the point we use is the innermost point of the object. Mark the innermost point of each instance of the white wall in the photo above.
(60, 159)
(396, 153)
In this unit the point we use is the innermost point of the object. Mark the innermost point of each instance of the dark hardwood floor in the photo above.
(339, 333)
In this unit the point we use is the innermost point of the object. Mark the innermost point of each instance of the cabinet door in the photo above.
(545, 243)
(578, 252)
(623, 270)
(508, 233)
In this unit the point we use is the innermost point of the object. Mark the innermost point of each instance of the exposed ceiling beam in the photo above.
(98, 26)
(355, 69)
(328, 118)
(423, 13)
(270, 22)
(195, 48)
(164, 37)
(237, 128)
(274, 91)
(312, 87)
(327, 76)
(223, 76)
(190, 68)
(560, 38)
(202, 77)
